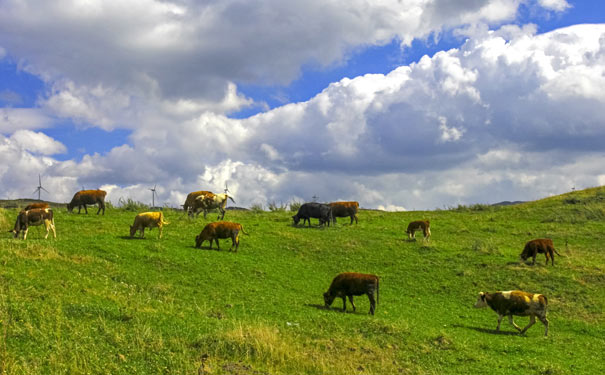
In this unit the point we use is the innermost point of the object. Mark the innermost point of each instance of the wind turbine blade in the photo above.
(44, 189)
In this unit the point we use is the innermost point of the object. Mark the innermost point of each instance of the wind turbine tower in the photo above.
(39, 188)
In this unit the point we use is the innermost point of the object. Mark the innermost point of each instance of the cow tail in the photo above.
(555, 250)
(377, 290)
(243, 231)
(231, 199)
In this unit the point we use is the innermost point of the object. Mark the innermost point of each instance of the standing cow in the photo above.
(423, 225)
(35, 216)
(148, 220)
(84, 197)
(518, 303)
(345, 209)
(190, 201)
(537, 246)
(315, 210)
(349, 284)
(210, 202)
(220, 229)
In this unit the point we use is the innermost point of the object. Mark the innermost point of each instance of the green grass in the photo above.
(97, 302)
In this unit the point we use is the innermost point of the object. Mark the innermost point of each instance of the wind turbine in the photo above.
(226, 188)
(39, 188)
(153, 195)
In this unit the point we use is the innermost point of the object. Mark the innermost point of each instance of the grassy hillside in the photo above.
(97, 302)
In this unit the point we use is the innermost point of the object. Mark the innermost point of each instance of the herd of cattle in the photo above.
(345, 285)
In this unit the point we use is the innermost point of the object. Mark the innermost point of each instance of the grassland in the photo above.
(94, 301)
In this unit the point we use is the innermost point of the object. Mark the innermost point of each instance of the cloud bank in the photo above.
(509, 115)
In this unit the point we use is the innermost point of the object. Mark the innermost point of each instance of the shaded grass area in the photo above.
(96, 301)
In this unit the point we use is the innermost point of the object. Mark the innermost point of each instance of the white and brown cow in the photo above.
(518, 303)
(33, 217)
(190, 201)
(206, 203)
(148, 220)
(423, 225)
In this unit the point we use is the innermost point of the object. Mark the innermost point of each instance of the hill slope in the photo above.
(96, 301)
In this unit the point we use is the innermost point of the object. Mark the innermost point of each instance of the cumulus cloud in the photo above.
(13, 119)
(37, 142)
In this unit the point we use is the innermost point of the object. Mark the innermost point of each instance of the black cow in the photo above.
(315, 210)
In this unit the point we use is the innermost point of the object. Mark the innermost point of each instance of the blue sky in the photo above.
(286, 101)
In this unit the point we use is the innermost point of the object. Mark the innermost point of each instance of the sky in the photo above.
(397, 104)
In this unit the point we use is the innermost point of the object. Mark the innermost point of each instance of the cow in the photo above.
(191, 199)
(517, 303)
(220, 229)
(35, 216)
(540, 245)
(36, 205)
(349, 284)
(84, 197)
(423, 225)
(320, 211)
(148, 220)
(210, 202)
(344, 209)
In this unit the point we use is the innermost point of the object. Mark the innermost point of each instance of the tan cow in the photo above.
(84, 197)
(518, 303)
(344, 209)
(36, 216)
(349, 284)
(190, 201)
(148, 220)
(206, 203)
(220, 229)
(423, 225)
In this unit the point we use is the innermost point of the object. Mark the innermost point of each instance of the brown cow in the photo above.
(148, 220)
(220, 229)
(349, 284)
(35, 205)
(190, 201)
(36, 216)
(344, 209)
(84, 197)
(540, 245)
(517, 303)
(425, 225)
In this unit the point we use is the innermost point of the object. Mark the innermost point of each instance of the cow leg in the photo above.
(344, 303)
(206, 212)
(25, 233)
(52, 226)
(499, 321)
(545, 322)
(356, 220)
(532, 320)
(142, 232)
(222, 211)
(534, 259)
(160, 229)
(372, 303)
(511, 321)
(47, 226)
(352, 304)
(99, 210)
(217, 246)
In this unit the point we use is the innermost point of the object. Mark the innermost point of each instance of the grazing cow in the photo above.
(35, 205)
(541, 245)
(35, 216)
(349, 284)
(320, 211)
(344, 209)
(148, 220)
(425, 225)
(220, 229)
(84, 197)
(210, 202)
(191, 200)
(517, 303)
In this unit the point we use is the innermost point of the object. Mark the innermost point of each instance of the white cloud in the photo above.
(13, 119)
(37, 142)
(556, 5)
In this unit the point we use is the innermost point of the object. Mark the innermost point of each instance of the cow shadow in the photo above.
(317, 306)
(131, 238)
(487, 330)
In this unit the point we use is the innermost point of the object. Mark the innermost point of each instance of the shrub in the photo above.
(256, 208)
(294, 206)
(132, 205)
(273, 207)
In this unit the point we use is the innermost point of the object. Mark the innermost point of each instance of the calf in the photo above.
(345, 209)
(84, 197)
(36, 216)
(425, 225)
(349, 284)
(517, 303)
(320, 211)
(35, 205)
(220, 229)
(148, 220)
(541, 245)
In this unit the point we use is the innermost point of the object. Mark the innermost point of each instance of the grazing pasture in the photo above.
(95, 301)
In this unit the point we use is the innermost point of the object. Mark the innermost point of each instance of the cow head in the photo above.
(133, 230)
(481, 301)
(296, 219)
(198, 241)
(328, 299)
(70, 207)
